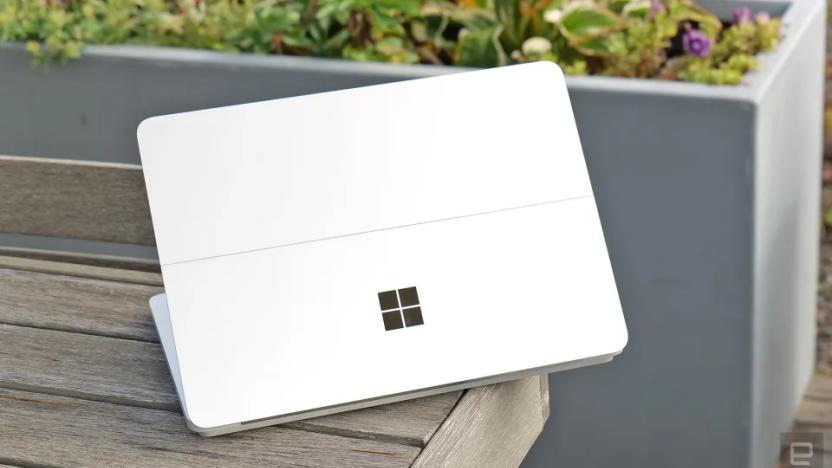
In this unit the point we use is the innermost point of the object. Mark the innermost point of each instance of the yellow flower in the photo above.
(32, 47)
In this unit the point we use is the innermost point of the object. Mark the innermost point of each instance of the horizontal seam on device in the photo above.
(291, 244)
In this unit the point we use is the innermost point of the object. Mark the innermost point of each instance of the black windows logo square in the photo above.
(400, 308)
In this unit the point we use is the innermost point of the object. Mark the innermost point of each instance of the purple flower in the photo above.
(741, 15)
(696, 43)
(762, 17)
(656, 7)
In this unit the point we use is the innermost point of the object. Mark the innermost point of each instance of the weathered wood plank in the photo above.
(814, 412)
(135, 373)
(87, 366)
(75, 199)
(49, 430)
(82, 271)
(825, 430)
(493, 425)
(423, 417)
(107, 261)
(77, 304)
(544, 396)
(820, 388)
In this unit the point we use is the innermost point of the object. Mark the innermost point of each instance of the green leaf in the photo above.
(480, 48)
(584, 19)
(419, 31)
(470, 18)
(686, 11)
(384, 24)
(593, 46)
(637, 8)
(408, 7)
(390, 45)
(617, 5)
(336, 41)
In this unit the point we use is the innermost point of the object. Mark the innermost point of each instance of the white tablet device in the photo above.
(340, 250)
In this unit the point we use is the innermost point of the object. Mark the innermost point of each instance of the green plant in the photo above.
(665, 39)
(827, 218)
(662, 39)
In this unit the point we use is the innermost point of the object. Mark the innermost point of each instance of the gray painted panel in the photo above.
(90, 108)
(672, 182)
(787, 203)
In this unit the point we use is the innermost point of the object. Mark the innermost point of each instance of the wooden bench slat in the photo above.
(88, 366)
(814, 412)
(77, 304)
(79, 258)
(825, 430)
(75, 199)
(820, 388)
(82, 271)
(48, 430)
(135, 373)
(512, 413)
(423, 417)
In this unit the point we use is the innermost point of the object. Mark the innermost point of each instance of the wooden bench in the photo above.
(83, 380)
(814, 415)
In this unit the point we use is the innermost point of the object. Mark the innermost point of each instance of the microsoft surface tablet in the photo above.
(339, 250)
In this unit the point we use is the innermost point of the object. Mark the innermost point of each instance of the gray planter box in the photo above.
(709, 198)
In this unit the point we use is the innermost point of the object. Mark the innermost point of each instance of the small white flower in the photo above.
(536, 46)
(552, 16)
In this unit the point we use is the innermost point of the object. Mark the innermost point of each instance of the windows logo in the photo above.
(398, 304)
